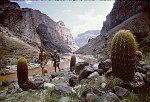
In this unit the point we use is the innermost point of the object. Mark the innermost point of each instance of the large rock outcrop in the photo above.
(134, 15)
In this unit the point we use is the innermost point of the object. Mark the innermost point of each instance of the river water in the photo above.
(34, 71)
(65, 62)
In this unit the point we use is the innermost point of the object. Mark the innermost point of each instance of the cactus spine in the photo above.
(123, 55)
(22, 71)
(72, 62)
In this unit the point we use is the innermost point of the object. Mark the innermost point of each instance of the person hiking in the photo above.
(42, 59)
(56, 59)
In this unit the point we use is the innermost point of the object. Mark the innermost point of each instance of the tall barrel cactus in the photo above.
(72, 62)
(123, 55)
(22, 71)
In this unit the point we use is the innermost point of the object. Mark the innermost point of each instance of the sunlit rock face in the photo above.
(65, 38)
(83, 38)
(131, 15)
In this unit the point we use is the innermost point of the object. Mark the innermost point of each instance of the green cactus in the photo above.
(138, 55)
(45, 71)
(123, 55)
(22, 71)
(72, 62)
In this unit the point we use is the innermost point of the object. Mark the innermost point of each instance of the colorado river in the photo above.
(31, 72)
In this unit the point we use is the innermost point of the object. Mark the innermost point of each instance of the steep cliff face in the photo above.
(33, 29)
(65, 38)
(122, 10)
(83, 38)
(131, 15)
(46, 39)
(12, 48)
(24, 21)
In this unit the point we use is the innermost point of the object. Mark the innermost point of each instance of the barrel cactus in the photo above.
(138, 55)
(22, 71)
(123, 55)
(45, 71)
(72, 62)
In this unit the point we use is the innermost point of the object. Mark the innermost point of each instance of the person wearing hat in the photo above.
(56, 59)
(42, 59)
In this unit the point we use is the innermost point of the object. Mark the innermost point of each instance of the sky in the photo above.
(78, 16)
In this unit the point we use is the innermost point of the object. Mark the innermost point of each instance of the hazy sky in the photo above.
(78, 16)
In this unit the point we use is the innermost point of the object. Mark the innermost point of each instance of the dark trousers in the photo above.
(56, 64)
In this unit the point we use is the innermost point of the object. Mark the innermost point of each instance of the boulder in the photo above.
(31, 85)
(13, 88)
(85, 72)
(147, 77)
(108, 62)
(147, 80)
(146, 67)
(2, 96)
(91, 94)
(80, 66)
(99, 71)
(140, 69)
(64, 99)
(48, 85)
(95, 65)
(143, 68)
(53, 75)
(120, 92)
(108, 73)
(138, 77)
(83, 81)
(59, 74)
(97, 91)
(6, 83)
(78, 87)
(91, 97)
(105, 66)
(63, 87)
(73, 81)
(137, 85)
(138, 81)
(108, 97)
(93, 75)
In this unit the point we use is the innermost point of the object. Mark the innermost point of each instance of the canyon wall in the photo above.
(130, 15)
(122, 10)
(34, 29)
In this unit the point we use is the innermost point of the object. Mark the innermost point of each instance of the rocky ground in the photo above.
(89, 82)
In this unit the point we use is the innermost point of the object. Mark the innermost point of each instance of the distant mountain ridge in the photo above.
(83, 38)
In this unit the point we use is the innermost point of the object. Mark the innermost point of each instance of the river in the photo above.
(33, 71)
